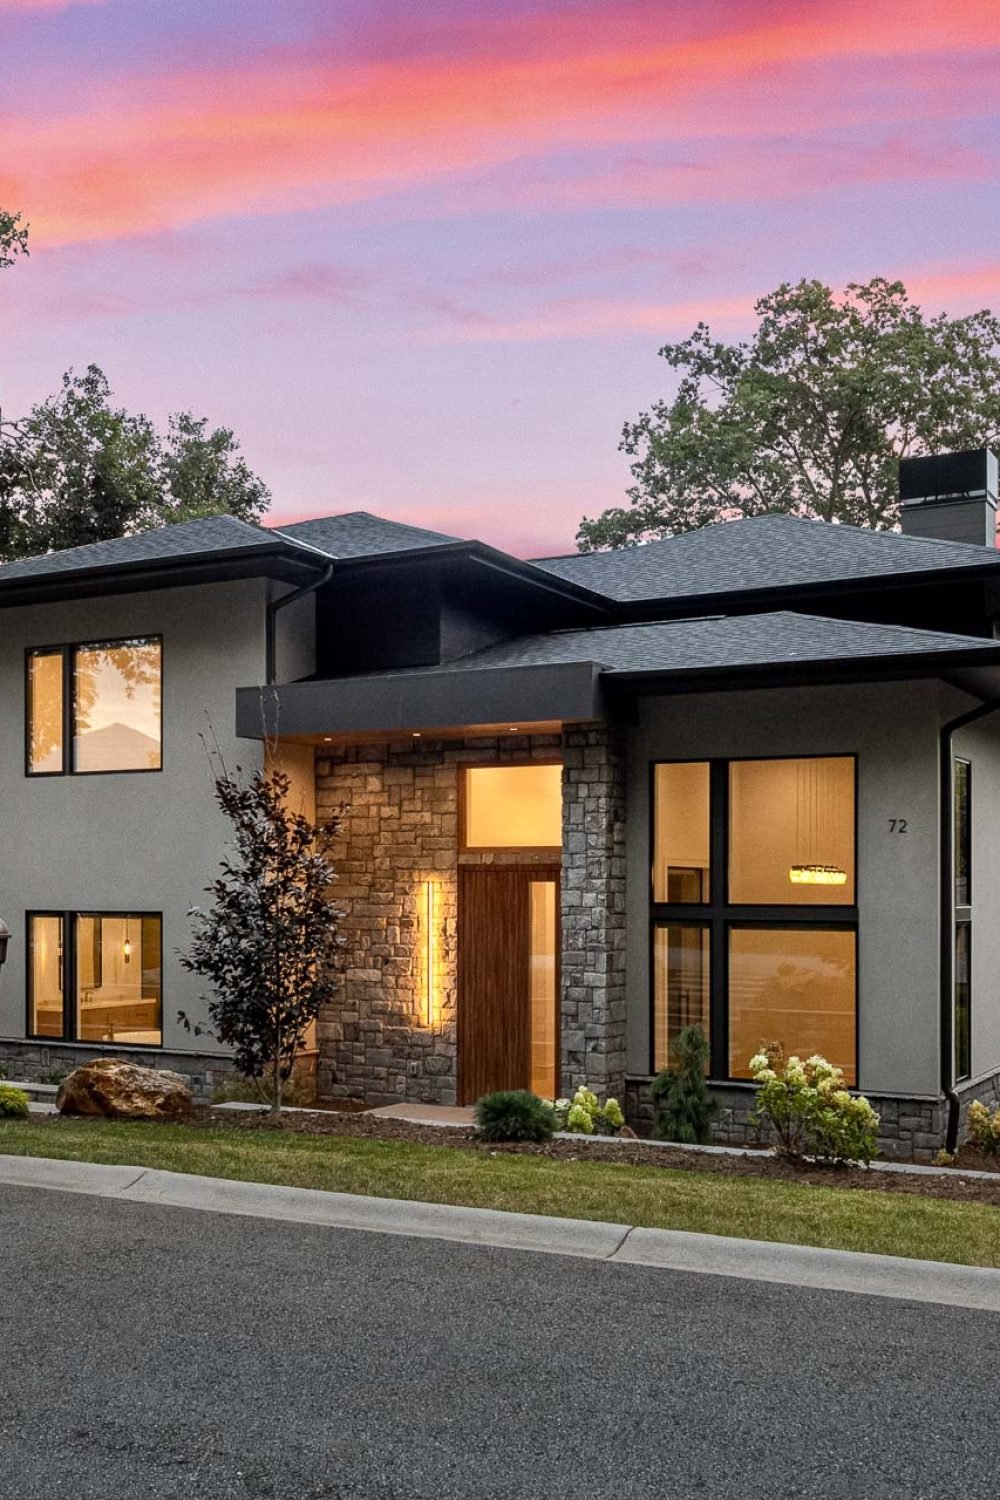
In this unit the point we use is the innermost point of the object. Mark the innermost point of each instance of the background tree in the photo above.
(269, 945)
(811, 416)
(79, 469)
(13, 238)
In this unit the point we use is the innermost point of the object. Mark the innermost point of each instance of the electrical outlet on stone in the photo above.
(413, 1068)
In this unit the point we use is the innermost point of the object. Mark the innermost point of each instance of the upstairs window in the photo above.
(95, 707)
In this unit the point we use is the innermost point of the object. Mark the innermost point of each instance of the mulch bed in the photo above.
(951, 1184)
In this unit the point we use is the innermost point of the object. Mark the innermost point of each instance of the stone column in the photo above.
(593, 911)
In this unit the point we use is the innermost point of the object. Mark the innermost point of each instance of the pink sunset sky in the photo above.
(421, 257)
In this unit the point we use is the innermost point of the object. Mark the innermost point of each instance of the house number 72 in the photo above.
(897, 825)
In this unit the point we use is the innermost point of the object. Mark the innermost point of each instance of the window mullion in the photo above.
(719, 895)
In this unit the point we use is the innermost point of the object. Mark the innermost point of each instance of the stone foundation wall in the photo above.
(49, 1062)
(907, 1127)
(399, 830)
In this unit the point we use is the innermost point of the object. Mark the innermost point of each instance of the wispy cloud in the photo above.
(297, 128)
(9, 6)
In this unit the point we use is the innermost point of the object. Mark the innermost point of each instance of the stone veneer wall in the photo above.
(399, 829)
(42, 1062)
(907, 1127)
(593, 911)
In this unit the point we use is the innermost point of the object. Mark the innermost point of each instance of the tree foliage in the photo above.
(269, 943)
(13, 238)
(80, 469)
(810, 416)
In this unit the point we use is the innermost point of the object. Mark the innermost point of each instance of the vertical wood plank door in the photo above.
(495, 1021)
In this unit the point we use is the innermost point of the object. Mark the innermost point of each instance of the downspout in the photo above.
(270, 630)
(947, 964)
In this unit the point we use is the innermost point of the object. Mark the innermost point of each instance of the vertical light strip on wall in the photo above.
(429, 964)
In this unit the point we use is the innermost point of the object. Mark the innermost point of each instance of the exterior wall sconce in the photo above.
(4, 940)
(430, 955)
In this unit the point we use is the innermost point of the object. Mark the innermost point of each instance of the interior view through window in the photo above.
(114, 689)
(112, 972)
(516, 810)
(512, 807)
(763, 951)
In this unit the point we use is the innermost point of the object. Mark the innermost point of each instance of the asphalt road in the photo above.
(159, 1352)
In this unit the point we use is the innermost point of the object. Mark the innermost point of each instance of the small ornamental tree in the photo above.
(270, 942)
(682, 1104)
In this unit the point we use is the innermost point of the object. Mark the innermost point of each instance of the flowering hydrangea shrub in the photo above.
(810, 1110)
(584, 1114)
(984, 1127)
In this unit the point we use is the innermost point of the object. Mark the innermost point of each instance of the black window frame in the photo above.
(961, 834)
(68, 650)
(70, 974)
(720, 915)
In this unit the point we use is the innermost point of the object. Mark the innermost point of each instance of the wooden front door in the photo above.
(508, 980)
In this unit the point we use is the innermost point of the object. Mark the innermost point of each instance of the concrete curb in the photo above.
(665, 1249)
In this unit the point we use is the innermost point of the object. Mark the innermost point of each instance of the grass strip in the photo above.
(661, 1198)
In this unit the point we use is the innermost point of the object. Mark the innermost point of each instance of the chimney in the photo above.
(950, 496)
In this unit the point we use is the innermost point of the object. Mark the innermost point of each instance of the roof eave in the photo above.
(898, 667)
(685, 604)
(283, 561)
(491, 557)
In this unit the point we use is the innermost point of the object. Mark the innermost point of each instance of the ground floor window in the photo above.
(96, 977)
(753, 909)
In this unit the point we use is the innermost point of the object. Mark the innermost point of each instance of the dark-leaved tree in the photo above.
(78, 469)
(269, 943)
(810, 416)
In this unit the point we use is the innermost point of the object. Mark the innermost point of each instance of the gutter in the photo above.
(947, 964)
(270, 618)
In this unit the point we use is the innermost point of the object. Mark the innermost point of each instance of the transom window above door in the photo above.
(511, 807)
(95, 707)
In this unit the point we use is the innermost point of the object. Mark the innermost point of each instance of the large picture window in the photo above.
(95, 707)
(753, 909)
(96, 977)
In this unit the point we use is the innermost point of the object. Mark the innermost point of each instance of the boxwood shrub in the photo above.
(514, 1115)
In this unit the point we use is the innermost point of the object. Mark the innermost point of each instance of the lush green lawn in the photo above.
(885, 1223)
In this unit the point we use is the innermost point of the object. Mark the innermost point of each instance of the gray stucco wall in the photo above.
(118, 841)
(980, 744)
(893, 729)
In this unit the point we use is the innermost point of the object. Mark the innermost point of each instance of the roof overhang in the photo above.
(976, 671)
(388, 703)
(280, 562)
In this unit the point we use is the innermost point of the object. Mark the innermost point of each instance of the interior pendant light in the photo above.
(814, 826)
(127, 945)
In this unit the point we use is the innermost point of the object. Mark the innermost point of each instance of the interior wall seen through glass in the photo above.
(791, 832)
(681, 840)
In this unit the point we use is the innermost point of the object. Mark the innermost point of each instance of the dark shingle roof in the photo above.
(187, 539)
(721, 643)
(765, 552)
(359, 534)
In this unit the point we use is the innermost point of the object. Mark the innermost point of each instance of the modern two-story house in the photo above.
(747, 777)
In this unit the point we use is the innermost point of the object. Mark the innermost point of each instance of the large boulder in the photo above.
(120, 1090)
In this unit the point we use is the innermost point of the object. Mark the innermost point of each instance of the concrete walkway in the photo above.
(756, 1260)
(450, 1116)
